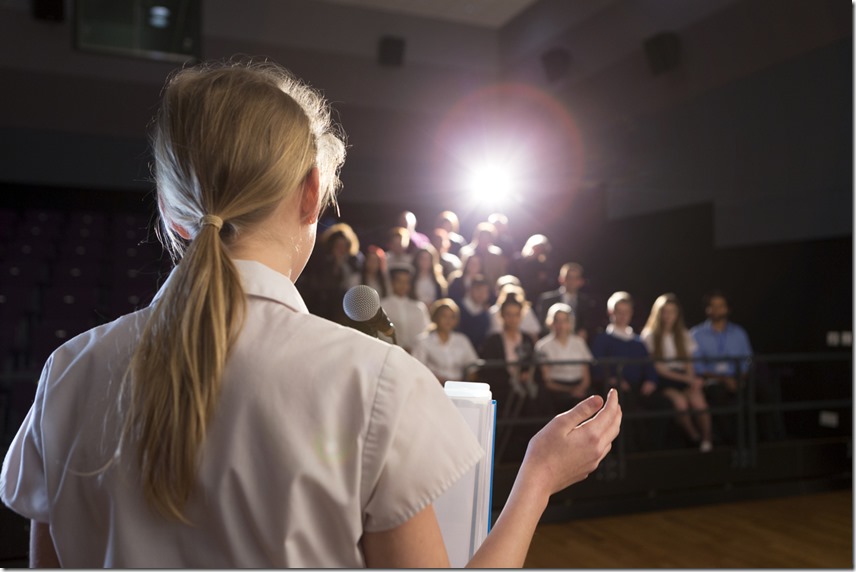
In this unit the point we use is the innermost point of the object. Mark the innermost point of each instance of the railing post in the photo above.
(751, 417)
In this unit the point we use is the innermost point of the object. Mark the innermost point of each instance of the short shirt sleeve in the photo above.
(417, 444)
(23, 482)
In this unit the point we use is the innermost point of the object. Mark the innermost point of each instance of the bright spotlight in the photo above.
(491, 183)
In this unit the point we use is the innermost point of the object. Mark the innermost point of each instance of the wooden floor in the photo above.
(810, 531)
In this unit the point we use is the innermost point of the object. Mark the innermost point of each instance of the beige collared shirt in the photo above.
(321, 434)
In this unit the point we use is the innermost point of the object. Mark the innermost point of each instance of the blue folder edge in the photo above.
(492, 465)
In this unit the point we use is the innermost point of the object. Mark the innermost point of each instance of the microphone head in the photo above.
(361, 303)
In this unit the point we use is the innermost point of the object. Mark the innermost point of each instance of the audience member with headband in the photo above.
(224, 426)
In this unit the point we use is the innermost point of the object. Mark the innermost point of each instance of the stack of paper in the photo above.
(464, 510)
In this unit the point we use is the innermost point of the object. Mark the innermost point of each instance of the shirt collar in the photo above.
(625, 334)
(260, 281)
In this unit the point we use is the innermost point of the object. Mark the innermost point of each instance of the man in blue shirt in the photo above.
(720, 338)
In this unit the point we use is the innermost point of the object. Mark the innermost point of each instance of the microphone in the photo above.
(362, 306)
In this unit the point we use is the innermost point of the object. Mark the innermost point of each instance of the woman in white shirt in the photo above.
(666, 337)
(568, 383)
(224, 426)
(444, 351)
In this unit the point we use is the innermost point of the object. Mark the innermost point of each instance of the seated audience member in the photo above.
(533, 267)
(637, 381)
(571, 280)
(666, 337)
(444, 351)
(417, 240)
(448, 261)
(334, 271)
(502, 237)
(475, 317)
(482, 246)
(428, 282)
(567, 384)
(512, 345)
(529, 322)
(718, 337)
(448, 221)
(408, 315)
(459, 280)
(374, 272)
(397, 244)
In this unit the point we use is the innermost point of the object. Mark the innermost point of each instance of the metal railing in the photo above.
(745, 408)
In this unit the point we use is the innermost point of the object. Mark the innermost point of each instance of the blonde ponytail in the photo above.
(230, 143)
(177, 369)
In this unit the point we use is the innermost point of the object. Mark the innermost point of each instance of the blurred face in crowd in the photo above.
(473, 266)
(485, 238)
(440, 241)
(396, 244)
(573, 281)
(669, 315)
(479, 294)
(717, 309)
(622, 314)
(401, 283)
(512, 315)
(446, 320)
(372, 262)
(407, 220)
(562, 325)
(340, 247)
(424, 262)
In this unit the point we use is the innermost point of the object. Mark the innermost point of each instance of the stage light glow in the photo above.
(491, 183)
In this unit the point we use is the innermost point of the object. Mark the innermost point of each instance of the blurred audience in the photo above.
(636, 379)
(533, 267)
(475, 317)
(459, 280)
(374, 272)
(482, 246)
(666, 337)
(512, 345)
(567, 384)
(571, 280)
(448, 261)
(409, 316)
(444, 351)
(428, 281)
(529, 321)
(397, 245)
(407, 219)
(448, 221)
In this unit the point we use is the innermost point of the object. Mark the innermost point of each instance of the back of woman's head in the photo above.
(233, 140)
(230, 143)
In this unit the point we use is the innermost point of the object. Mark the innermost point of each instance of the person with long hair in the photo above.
(225, 426)
(667, 338)
(333, 271)
(429, 284)
(445, 352)
(460, 280)
(513, 345)
(374, 272)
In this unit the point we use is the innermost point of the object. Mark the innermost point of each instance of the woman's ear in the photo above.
(310, 206)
